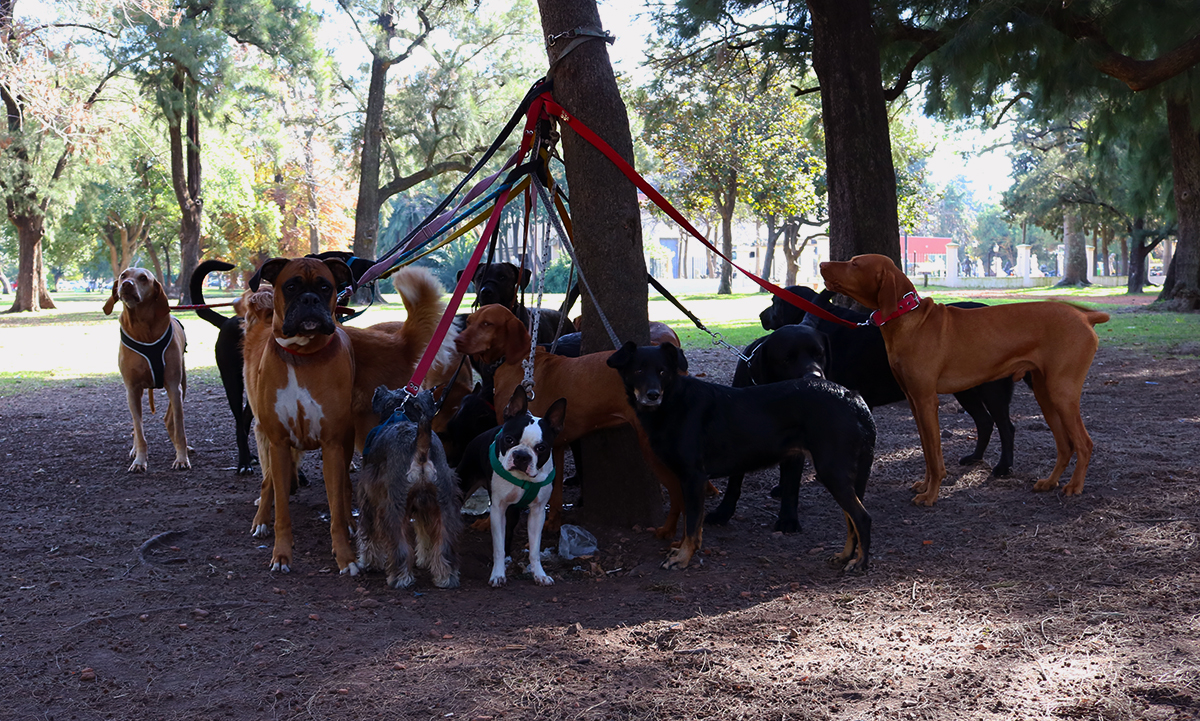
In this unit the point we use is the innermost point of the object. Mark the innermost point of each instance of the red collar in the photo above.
(910, 301)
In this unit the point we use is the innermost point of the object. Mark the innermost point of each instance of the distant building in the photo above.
(924, 254)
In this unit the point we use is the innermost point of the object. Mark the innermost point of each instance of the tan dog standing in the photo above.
(933, 348)
(299, 368)
(150, 356)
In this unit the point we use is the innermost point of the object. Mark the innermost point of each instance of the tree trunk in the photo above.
(617, 485)
(684, 237)
(185, 180)
(726, 203)
(861, 177)
(772, 233)
(366, 214)
(31, 292)
(1181, 289)
(1108, 234)
(1075, 266)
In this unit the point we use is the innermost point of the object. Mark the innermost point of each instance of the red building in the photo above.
(920, 252)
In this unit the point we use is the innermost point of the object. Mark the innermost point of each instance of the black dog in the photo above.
(857, 359)
(499, 283)
(793, 351)
(703, 430)
(229, 362)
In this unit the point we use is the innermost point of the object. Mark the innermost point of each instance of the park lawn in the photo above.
(76, 345)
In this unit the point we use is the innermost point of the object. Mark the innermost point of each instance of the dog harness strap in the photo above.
(909, 302)
(154, 353)
(531, 488)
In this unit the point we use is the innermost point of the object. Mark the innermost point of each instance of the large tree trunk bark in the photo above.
(185, 179)
(31, 292)
(617, 485)
(858, 154)
(366, 214)
(791, 253)
(1182, 285)
(1075, 266)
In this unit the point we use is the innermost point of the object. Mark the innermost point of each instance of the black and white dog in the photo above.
(518, 461)
(405, 476)
(702, 430)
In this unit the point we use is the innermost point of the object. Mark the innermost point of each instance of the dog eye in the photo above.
(510, 441)
(540, 448)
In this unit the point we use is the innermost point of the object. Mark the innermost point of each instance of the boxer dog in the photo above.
(299, 369)
(150, 356)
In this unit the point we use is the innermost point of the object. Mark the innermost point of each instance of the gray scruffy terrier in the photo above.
(407, 494)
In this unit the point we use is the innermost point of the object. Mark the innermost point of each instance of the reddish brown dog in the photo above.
(150, 356)
(299, 368)
(934, 348)
(594, 392)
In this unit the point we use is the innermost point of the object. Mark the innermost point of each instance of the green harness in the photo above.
(531, 488)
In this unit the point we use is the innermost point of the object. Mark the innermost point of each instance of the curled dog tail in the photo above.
(197, 288)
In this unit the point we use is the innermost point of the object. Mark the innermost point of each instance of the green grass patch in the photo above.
(1153, 331)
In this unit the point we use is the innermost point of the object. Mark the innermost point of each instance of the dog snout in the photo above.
(521, 460)
(650, 397)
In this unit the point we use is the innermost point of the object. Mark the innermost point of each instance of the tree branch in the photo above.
(1136, 74)
(400, 185)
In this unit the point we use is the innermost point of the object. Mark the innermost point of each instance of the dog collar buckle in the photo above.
(909, 302)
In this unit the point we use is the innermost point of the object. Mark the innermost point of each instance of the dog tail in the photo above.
(1096, 317)
(422, 296)
(197, 288)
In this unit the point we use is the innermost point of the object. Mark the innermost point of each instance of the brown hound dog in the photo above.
(150, 356)
(594, 392)
(933, 348)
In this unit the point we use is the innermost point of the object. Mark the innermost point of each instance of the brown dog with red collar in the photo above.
(299, 368)
(594, 392)
(150, 356)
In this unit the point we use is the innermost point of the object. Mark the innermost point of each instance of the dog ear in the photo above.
(516, 337)
(341, 272)
(888, 298)
(162, 304)
(268, 271)
(556, 415)
(379, 401)
(622, 357)
(112, 299)
(676, 361)
(526, 275)
(517, 405)
(458, 276)
(480, 270)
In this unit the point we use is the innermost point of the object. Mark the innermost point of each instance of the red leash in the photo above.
(586, 133)
(465, 278)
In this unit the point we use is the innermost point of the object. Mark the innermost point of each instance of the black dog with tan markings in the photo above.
(702, 430)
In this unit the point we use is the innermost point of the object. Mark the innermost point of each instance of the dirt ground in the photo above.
(144, 596)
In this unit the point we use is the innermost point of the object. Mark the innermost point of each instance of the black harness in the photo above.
(154, 353)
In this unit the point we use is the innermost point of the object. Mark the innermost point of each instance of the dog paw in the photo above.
(718, 517)
(497, 581)
(664, 533)
(181, 465)
(262, 530)
(970, 460)
(919, 487)
(543, 580)
(1044, 485)
(280, 565)
(245, 470)
(351, 568)
(857, 566)
(137, 467)
(1071, 489)
(405, 580)
(787, 525)
(925, 499)
(450, 581)
(677, 560)
(1002, 471)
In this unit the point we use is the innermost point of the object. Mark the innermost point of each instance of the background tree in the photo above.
(49, 85)
(444, 111)
(190, 65)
